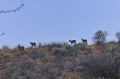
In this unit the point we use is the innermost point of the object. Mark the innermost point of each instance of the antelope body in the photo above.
(33, 44)
(72, 41)
(84, 41)
(21, 48)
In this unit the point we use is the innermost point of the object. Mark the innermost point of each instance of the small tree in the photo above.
(99, 37)
(118, 36)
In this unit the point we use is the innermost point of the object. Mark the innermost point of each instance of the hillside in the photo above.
(61, 61)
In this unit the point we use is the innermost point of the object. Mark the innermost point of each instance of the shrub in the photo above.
(35, 54)
(9, 74)
(6, 48)
(50, 71)
(54, 45)
(26, 65)
(101, 66)
(5, 58)
(11, 71)
(77, 48)
(61, 52)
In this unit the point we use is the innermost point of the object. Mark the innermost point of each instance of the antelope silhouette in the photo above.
(33, 44)
(72, 41)
(84, 41)
(21, 48)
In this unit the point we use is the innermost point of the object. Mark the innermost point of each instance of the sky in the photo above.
(57, 20)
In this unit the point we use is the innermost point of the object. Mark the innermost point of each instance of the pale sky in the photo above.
(57, 20)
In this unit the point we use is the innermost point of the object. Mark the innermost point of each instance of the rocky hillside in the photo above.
(61, 61)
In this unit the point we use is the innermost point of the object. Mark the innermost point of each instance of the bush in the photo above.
(101, 66)
(26, 65)
(10, 72)
(77, 48)
(35, 55)
(61, 52)
(54, 45)
(49, 71)
(5, 58)
(6, 48)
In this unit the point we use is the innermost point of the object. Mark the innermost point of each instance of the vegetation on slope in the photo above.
(62, 61)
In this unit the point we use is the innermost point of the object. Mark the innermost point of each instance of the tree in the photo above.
(99, 37)
(118, 36)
